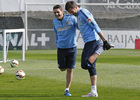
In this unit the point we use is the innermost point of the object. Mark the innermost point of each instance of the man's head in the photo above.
(72, 7)
(58, 12)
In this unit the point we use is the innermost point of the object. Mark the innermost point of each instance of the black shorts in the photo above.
(89, 49)
(66, 57)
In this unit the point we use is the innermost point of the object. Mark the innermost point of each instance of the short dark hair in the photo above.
(70, 4)
(57, 7)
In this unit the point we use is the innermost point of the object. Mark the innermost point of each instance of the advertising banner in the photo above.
(13, 40)
(41, 40)
(122, 39)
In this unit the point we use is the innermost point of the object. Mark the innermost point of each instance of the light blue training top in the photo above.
(87, 25)
(65, 31)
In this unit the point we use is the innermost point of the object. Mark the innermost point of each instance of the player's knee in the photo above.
(69, 69)
(83, 65)
(86, 64)
(92, 71)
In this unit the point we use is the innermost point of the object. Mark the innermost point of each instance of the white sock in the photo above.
(100, 50)
(67, 89)
(93, 88)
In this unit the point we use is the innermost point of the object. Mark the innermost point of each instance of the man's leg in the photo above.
(89, 57)
(93, 80)
(71, 60)
(69, 77)
(94, 56)
(93, 92)
(93, 76)
(93, 85)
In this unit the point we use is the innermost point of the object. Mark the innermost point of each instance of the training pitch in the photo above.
(118, 77)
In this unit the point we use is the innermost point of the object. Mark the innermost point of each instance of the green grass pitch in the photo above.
(118, 77)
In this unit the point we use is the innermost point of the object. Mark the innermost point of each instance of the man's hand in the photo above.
(106, 45)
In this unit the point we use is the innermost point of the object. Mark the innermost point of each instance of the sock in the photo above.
(93, 88)
(67, 89)
(100, 50)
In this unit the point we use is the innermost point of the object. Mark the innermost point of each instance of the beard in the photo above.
(59, 17)
(75, 14)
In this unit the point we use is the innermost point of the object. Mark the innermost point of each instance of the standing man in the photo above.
(65, 32)
(90, 32)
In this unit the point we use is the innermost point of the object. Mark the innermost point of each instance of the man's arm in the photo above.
(106, 45)
(101, 36)
(91, 21)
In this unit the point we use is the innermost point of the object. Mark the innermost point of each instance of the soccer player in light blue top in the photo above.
(65, 32)
(90, 32)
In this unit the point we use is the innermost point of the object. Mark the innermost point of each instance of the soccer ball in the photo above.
(1, 70)
(20, 74)
(14, 63)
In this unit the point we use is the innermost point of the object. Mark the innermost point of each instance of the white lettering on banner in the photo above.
(122, 39)
(33, 43)
(43, 39)
(33, 40)
(9, 39)
(13, 40)
(124, 6)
